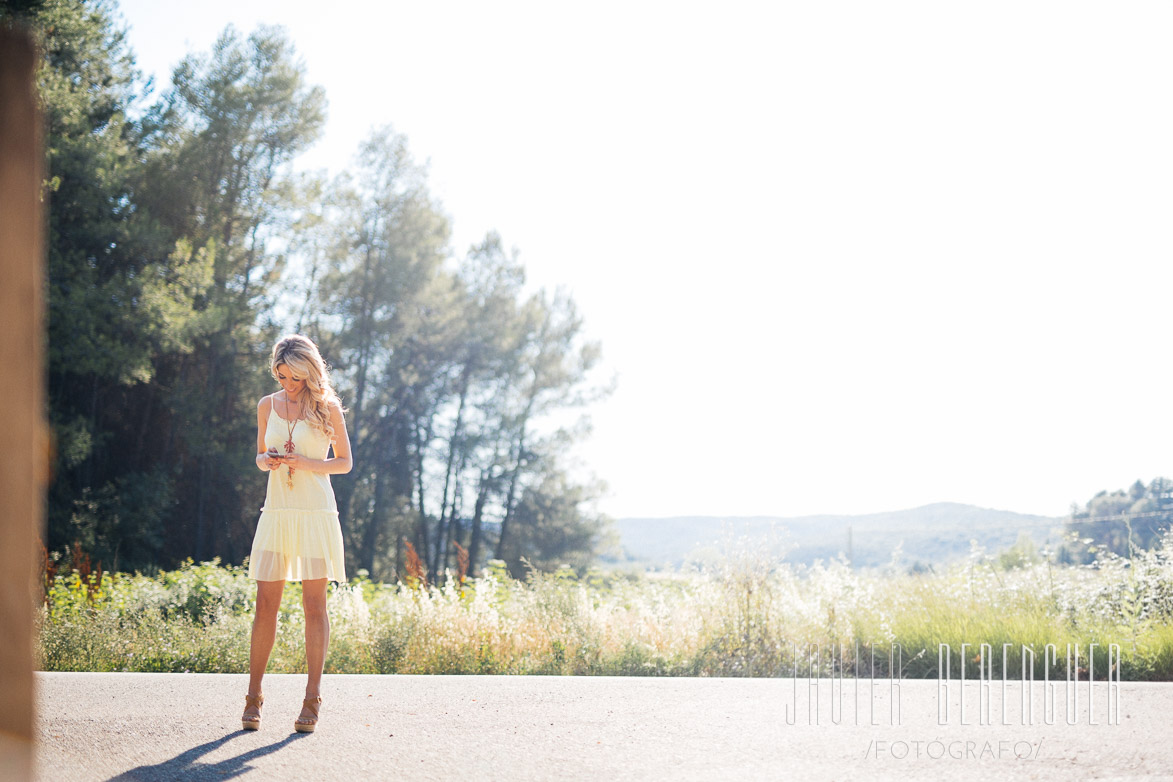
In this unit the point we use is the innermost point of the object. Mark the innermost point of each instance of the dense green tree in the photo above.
(488, 357)
(19, 11)
(553, 523)
(448, 367)
(217, 179)
(180, 242)
(1121, 521)
(552, 374)
(387, 294)
(117, 291)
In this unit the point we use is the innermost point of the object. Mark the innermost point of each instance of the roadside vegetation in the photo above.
(743, 617)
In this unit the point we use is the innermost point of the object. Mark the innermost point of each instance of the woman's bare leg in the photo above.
(317, 635)
(264, 632)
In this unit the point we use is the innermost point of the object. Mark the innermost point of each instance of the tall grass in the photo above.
(747, 617)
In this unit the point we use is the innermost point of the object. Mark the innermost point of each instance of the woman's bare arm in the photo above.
(264, 463)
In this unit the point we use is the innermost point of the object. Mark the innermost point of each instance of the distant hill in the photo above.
(931, 535)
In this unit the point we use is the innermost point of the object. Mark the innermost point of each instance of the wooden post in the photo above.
(24, 457)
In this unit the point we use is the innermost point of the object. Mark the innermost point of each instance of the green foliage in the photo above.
(1120, 522)
(215, 180)
(1023, 553)
(19, 10)
(180, 243)
(448, 369)
(108, 315)
(124, 518)
(555, 528)
(99, 255)
(748, 617)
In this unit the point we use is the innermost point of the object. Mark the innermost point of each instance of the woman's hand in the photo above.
(270, 459)
(296, 461)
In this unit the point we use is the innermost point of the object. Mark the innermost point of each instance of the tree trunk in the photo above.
(148, 407)
(371, 533)
(381, 459)
(454, 526)
(440, 556)
(474, 543)
(422, 529)
(511, 498)
(344, 491)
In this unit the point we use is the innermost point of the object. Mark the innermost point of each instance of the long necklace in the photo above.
(289, 443)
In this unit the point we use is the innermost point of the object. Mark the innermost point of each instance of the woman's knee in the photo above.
(313, 601)
(269, 597)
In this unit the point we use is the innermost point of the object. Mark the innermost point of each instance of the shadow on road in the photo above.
(185, 767)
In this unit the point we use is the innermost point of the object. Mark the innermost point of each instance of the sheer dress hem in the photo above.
(297, 545)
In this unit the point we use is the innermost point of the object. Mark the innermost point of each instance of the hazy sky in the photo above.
(842, 257)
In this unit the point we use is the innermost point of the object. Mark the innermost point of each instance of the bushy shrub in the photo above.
(743, 617)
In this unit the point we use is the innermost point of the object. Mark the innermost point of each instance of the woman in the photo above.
(298, 536)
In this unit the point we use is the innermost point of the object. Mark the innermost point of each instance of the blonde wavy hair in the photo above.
(302, 357)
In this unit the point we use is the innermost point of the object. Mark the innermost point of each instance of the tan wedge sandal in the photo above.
(305, 724)
(252, 721)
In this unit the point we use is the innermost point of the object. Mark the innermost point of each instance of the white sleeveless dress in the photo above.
(298, 536)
